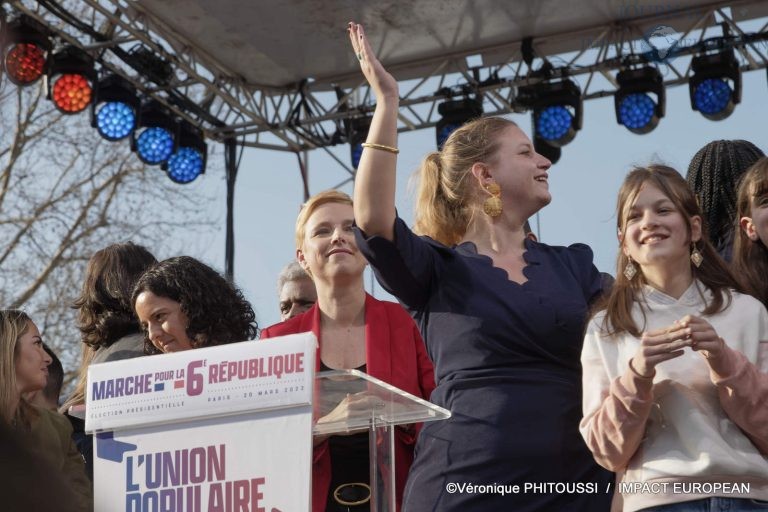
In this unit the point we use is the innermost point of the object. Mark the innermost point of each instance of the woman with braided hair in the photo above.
(713, 175)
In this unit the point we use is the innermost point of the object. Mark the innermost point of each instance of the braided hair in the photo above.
(713, 175)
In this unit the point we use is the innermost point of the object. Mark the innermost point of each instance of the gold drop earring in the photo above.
(696, 257)
(492, 205)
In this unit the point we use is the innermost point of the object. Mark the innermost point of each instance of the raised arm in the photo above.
(374, 195)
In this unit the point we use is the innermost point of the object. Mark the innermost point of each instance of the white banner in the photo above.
(226, 379)
(249, 463)
(222, 429)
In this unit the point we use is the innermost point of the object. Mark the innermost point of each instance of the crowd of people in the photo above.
(557, 376)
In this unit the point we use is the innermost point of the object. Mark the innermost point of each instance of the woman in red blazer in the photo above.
(354, 330)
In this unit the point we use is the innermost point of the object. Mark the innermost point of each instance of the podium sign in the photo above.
(224, 428)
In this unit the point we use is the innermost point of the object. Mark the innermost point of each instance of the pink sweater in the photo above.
(689, 432)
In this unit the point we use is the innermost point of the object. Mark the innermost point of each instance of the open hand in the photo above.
(383, 84)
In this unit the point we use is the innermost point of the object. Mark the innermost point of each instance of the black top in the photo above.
(350, 461)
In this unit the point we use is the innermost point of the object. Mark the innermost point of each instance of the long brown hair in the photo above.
(105, 313)
(446, 199)
(13, 325)
(713, 271)
(750, 258)
(104, 310)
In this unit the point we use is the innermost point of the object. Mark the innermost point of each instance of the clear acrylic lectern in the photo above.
(384, 407)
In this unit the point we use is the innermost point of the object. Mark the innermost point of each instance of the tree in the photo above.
(65, 193)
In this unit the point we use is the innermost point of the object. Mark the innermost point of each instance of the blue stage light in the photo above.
(444, 132)
(157, 141)
(115, 120)
(455, 113)
(636, 107)
(715, 85)
(712, 96)
(636, 111)
(185, 165)
(357, 152)
(115, 108)
(557, 109)
(554, 123)
(357, 133)
(188, 162)
(154, 145)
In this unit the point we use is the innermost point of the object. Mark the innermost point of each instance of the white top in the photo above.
(688, 428)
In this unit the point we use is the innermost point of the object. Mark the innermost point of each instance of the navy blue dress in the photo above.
(507, 366)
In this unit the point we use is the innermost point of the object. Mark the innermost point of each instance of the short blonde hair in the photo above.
(312, 204)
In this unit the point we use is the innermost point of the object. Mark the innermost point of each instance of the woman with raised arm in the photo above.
(354, 331)
(502, 315)
(675, 389)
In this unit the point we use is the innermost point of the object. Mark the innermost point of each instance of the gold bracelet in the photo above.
(381, 147)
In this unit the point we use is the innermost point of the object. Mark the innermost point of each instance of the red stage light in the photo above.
(72, 93)
(25, 63)
(70, 80)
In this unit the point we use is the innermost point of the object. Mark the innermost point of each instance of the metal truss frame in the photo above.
(311, 116)
(314, 115)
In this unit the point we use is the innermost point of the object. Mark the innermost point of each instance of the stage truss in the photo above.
(315, 114)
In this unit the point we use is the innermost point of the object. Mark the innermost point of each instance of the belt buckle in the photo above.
(352, 494)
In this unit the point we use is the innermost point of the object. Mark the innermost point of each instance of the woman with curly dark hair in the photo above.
(183, 304)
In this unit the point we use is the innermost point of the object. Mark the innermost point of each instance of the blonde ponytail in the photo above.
(447, 197)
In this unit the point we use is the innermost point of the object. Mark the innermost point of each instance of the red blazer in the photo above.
(394, 353)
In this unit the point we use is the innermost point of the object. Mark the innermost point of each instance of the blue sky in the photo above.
(584, 184)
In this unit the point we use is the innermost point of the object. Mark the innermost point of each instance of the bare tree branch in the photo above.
(65, 193)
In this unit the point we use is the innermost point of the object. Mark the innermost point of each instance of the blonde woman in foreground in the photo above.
(502, 315)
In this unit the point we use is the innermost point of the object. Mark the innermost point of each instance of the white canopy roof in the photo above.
(278, 43)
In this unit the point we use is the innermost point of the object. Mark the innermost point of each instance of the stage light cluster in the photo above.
(117, 112)
(555, 100)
